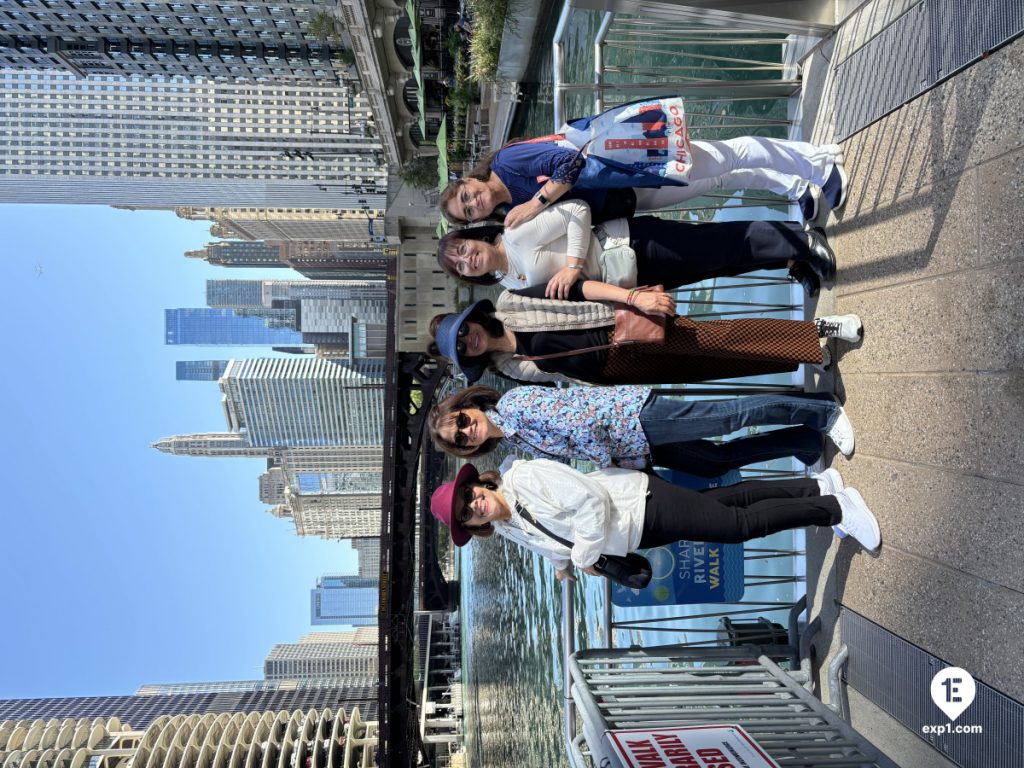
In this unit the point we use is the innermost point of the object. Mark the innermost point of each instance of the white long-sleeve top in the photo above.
(601, 512)
(542, 246)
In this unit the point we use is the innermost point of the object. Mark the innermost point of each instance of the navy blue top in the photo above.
(520, 165)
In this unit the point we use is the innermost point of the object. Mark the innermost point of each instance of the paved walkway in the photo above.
(931, 255)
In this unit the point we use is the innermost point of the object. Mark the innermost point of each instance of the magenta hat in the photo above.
(448, 498)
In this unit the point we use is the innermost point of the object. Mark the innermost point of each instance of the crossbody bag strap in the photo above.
(567, 353)
(525, 513)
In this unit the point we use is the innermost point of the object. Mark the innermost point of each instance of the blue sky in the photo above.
(123, 565)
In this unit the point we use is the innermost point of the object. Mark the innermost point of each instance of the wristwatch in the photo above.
(540, 196)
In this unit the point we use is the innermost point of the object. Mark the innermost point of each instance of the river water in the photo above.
(511, 609)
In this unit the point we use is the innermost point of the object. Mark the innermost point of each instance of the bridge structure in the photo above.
(408, 558)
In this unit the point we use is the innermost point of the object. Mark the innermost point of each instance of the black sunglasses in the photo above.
(462, 421)
(460, 346)
(466, 514)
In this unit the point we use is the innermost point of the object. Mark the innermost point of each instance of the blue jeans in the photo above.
(675, 430)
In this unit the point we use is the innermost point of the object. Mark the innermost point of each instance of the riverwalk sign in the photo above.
(695, 746)
(689, 572)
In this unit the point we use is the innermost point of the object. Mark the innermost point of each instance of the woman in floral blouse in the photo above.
(634, 427)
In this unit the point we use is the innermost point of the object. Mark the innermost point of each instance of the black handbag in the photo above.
(630, 570)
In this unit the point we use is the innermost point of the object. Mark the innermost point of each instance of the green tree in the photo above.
(325, 26)
(420, 173)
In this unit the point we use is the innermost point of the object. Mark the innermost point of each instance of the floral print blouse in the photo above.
(598, 424)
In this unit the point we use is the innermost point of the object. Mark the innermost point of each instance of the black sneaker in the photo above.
(802, 273)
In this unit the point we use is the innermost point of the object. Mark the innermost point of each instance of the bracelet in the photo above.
(631, 297)
(574, 266)
(540, 196)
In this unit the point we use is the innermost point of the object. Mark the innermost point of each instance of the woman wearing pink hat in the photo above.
(614, 511)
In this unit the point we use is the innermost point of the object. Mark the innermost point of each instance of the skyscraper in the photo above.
(283, 403)
(359, 636)
(237, 253)
(344, 599)
(215, 327)
(296, 737)
(273, 483)
(321, 260)
(234, 293)
(344, 318)
(241, 686)
(298, 661)
(339, 290)
(218, 444)
(147, 143)
(141, 711)
(368, 552)
(199, 370)
(332, 516)
(326, 235)
(305, 477)
(364, 297)
(262, 40)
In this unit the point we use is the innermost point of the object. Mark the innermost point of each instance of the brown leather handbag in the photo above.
(635, 327)
(631, 327)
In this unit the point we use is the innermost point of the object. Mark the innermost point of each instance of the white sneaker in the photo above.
(830, 482)
(841, 433)
(858, 521)
(842, 327)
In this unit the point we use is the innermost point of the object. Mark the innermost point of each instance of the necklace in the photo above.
(499, 243)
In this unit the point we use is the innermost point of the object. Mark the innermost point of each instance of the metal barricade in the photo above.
(676, 686)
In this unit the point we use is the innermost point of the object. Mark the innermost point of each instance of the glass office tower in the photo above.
(219, 326)
(199, 370)
(345, 599)
(299, 402)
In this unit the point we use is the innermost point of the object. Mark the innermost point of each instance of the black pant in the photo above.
(735, 513)
(673, 253)
(710, 459)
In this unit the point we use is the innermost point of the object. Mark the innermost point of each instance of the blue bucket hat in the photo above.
(447, 339)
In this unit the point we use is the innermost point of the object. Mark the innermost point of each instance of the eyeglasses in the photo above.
(458, 258)
(460, 346)
(462, 421)
(466, 513)
(467, 208)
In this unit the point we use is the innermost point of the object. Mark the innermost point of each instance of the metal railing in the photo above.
(642, 56)
(732, 68)
(638, 56)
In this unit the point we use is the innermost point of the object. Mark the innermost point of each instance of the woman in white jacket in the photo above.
(558, 247)
(616, 511)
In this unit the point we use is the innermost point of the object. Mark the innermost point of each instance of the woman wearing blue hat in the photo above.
(536, 340)
(543, 506)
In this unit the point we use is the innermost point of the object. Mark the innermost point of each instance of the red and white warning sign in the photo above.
(698, 746)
